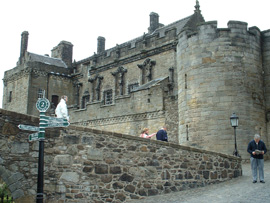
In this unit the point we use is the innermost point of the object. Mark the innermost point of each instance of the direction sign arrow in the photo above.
(54, 119)
(49, 125)
(33, 137)
(28, 127)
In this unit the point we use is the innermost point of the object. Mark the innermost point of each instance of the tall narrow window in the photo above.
(185, 81)
(10, 96)
(55, 99)
(108, 97)
(187, 132)
(40, 93)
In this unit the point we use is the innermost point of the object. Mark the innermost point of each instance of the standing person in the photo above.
(257, 149)
(162, 134)
(145, 133)
(61, 109)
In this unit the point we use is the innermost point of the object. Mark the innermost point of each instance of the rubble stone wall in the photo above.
(89, 165)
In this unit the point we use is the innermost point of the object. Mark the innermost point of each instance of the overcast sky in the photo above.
(82, 21)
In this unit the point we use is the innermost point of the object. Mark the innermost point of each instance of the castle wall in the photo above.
(220, 72)
(86, 165)
(15, 94)
(266, 69)
(130, 112)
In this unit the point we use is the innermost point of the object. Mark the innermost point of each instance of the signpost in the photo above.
(42, 105)
(28, 127)
(33, 137)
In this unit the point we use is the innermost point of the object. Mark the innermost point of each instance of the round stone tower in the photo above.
(220, 72)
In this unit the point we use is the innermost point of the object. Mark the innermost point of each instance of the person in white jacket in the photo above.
(61, 109)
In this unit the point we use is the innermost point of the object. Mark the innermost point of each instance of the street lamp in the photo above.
(234, 123)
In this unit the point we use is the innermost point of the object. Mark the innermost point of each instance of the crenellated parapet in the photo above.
(141, 47)
(220, 71)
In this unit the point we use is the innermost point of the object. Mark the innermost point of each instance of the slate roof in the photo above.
(149, 84)
(179, 25)
(46, 59)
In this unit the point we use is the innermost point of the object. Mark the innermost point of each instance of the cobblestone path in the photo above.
(239, 190)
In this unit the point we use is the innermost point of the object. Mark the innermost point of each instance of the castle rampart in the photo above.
(87, 165)
(266, 73)
(220, 72)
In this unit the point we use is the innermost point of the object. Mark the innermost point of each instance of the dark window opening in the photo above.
(10, 96)
(85, 100)
(187, 132)
(185, 81)
(108, 97)
(55, 100)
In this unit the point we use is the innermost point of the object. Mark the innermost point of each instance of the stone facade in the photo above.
(88, 165)
(189, 75)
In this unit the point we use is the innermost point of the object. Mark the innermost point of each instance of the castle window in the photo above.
(55, 99)
(85, 99)
(108, 97)
(40, 93)
(147, 70)
(187, 132)
(132, 87)
(10, 96)
(185, 81)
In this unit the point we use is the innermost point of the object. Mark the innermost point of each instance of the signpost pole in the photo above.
(40, 182)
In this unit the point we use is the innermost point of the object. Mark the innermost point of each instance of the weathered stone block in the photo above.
(10, 129)
(188, 175)
(206, 174)
(101, 169)
(224, 174)
(152, 192)
(71, 139)
(118, 185)
(94, 154)
(120, 196)
(87, 140)
(115, 170)
(142, 192)
(130, 188)
(62, 160)
(165, 175)
(106, 178)
(88, 169)
(126, 177)
(70, 177)
(19, 148)
(213, 175)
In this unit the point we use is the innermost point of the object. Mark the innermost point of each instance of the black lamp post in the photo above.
(234, 123)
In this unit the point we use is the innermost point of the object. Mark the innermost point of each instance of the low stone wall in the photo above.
(87, 165)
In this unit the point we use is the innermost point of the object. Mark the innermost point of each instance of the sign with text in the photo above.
(34, 136)
(28, 127)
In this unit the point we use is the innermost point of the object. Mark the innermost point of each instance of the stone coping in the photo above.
(130, 137)
(33, 119)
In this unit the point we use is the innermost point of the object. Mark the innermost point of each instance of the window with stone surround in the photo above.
(85, 100)
(132, 87)
(108, 99)
(40, 93)
(10, 96)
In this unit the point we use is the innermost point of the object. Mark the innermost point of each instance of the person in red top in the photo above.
(145, 133)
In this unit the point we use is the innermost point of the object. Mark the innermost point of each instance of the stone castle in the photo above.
(188, 75)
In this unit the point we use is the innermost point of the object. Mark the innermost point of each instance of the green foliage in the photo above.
(3, 190)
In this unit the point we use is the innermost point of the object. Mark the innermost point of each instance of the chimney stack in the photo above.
(64, 51)
(154, 22)
(100, 44)
(24, 44)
